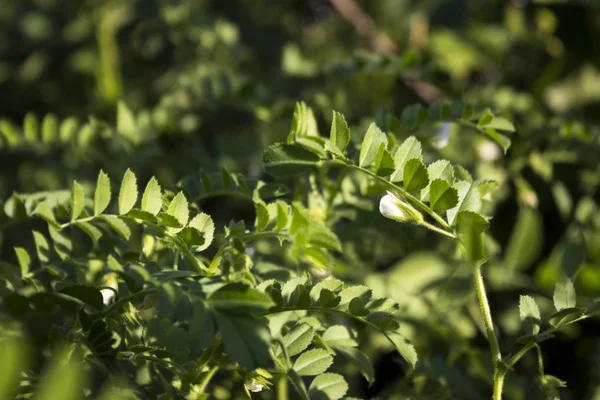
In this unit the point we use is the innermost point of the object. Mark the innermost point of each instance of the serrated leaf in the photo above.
(357, 308)
(240, 299)
(44, 211)
(144, 215)
(468, 200)
(530, 315)
(415, 175)
(403, 346)
(126, 124)
(408, 150)
(179, 209)
(328, 386)
(77, 201)
(204, 224)
(332, 284)
(298, 339)
(118, 225)
(385, 163)
(24, 260)
(374, 139)
(102, 194)
(283, 210)
(565, 316)
(128, 193)
(262, 215)
(339, 336)
(340, 133)
(499, 138)
(564, 295)
(358, 291)
(313, 362)
(442, 196)
(441, 169)
(152, 198)
(284, 160)
(328, 299)
(94, 233)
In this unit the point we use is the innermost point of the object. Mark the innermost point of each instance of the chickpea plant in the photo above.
(148, 296)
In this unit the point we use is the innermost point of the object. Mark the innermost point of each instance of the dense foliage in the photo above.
(299, 199)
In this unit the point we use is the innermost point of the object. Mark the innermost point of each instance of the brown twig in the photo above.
(365, 25)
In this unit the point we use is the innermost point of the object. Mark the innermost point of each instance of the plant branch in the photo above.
(118, 304)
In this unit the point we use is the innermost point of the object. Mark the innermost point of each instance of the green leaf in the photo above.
(94, 233)
(340, 133)
(564, 295)
(44, 211)
(128, 193)
(68, 129)
(565, 316)
(118, 225)
(403, 346)
(77, 201)
(262, 215)
(246, 340)
(441, 169)
(15, 359)
(415, 175)
(413, 115)
(238, 298)
(126, 124)
(102, 194)
(385, 164)
(357, 308)
(470, 227)
(298, 339)
(468, 200)
(408, 150)
(328, 299)
(339, 336)
(358, 291)
(284, 160)
(442, 196)
(42, 247)
(313, 362)
(374, 139)
(204, 224)
(152, 198)
(499, 123)
(486, 117)
(87, 294)
(525, 242)
(179, 209)
(328, 386)
(24, 260)
(320, 235)
(303, 121)
(49, 129)
(360, 360)
(530, 315)
(31, 127)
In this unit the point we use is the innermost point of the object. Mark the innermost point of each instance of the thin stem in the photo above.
(540, 361)
(484, 305)
(205, 381)
(438, 230)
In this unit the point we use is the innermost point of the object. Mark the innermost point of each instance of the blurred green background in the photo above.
(168, 87)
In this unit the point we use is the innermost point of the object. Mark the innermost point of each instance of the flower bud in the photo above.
(392, 207)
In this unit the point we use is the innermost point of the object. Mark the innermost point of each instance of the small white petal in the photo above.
(254, 386)
(108, 294)
(488, 151)
(440, 140)
(389, 209)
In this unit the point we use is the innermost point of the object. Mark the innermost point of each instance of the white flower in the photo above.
(254, 386)
(488, 151)
(440, 140)
(108, 294)
(392, 207)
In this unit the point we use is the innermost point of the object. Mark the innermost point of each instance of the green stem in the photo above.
(205, 381)
(438, 230)
(282, 387)
(484, 305)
